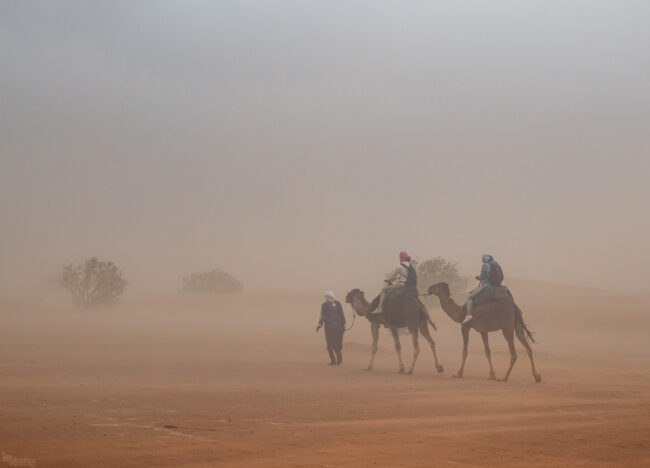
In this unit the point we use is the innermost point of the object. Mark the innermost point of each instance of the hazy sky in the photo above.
(300, 144)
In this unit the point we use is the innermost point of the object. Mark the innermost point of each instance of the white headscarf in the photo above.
(330, 295)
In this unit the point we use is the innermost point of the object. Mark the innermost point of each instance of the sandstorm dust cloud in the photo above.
(301, 145)
(298, 147)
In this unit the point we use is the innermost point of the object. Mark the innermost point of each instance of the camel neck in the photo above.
(452, 309)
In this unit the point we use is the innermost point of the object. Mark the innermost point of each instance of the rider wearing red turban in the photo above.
(402, 276)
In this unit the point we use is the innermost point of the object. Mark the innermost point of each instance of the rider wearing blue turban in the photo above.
(484, 278)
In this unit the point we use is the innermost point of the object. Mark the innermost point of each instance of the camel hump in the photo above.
(494, 294)
(503, 294)
(395, 299)
(400, 292)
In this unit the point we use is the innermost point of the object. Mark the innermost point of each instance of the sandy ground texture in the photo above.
(242, 381)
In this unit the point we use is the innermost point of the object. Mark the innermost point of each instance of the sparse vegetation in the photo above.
(93, 283)
(439, 269)
(215, 281)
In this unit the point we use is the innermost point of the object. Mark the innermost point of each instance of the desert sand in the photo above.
(241, 381)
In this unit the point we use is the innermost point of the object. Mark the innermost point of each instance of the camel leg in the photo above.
(374, 329)
(416, 348)
(519, 331)
(488, 354)
(398, 349)
(509, 335)
(424, 329)
(465, 332)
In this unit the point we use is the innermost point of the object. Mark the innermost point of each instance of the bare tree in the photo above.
(214, 281)
(93, 282)
(436, 270)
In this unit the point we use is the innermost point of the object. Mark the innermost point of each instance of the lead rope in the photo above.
(354, 316)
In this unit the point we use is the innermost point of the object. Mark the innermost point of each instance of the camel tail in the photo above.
(519, 319)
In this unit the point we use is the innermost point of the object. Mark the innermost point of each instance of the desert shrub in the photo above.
(436, 270)
(93, 282)
(215, 281)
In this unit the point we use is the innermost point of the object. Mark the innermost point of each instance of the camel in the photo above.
(488, 317)
(404, 312)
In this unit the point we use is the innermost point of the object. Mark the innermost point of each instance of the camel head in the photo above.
(357, 300)
(440, 289)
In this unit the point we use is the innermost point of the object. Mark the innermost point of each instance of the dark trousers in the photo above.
(334, 338)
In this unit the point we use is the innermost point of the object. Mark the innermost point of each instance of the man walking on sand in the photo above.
(331, 316)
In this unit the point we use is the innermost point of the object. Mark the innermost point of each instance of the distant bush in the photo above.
(216, 281)
(93, 282)
(438, 269)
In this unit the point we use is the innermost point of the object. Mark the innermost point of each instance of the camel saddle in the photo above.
(494, 294)
(393, 296)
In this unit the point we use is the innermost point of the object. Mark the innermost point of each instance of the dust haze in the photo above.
(299, 146)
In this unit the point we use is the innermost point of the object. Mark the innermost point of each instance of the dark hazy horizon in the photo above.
(301, 145)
